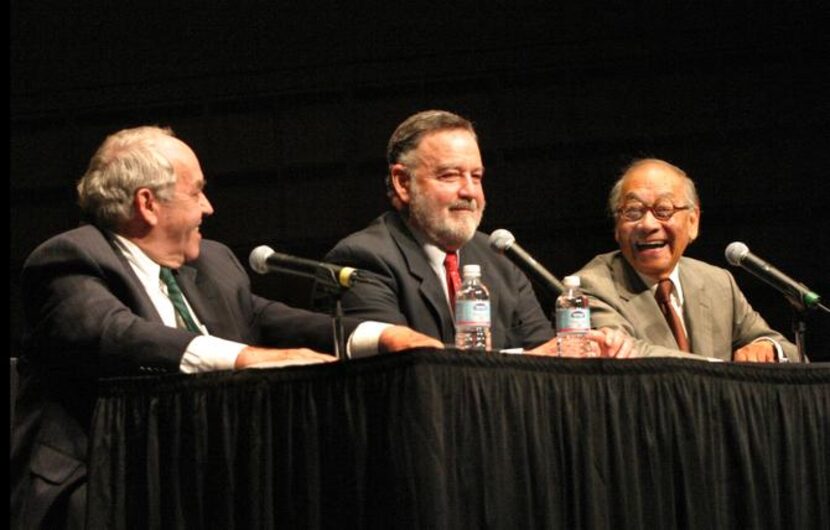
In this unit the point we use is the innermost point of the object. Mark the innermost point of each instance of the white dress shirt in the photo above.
(206, 352)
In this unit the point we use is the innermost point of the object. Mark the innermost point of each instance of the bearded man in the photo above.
(414, 253)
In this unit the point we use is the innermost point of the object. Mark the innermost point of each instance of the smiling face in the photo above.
(442, 187)
(179, 217)
(651, 246)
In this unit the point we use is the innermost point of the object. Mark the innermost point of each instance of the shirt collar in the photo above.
(675, 279)
(140, 261)
(434, 254)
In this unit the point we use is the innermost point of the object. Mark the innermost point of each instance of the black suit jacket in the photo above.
(407, 291)
(88, 316)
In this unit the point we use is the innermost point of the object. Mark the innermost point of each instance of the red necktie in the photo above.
(663, 296)
(453, 278)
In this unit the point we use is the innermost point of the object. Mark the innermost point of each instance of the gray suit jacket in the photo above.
(88, 316)
(717, 315)
(405, 289)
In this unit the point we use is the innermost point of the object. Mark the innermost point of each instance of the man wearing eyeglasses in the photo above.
(672, 305)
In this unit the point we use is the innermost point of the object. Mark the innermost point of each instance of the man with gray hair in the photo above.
(140, 291)
(672, 305)
(435, 186)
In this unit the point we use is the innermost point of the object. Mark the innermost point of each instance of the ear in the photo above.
(617, 229)
(146, 206)
(401, 182)
(694, 223)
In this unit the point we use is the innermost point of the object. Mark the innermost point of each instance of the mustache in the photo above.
(465, 204)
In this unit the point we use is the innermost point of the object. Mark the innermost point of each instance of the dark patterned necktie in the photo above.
(183, 317)
(663, 296)
(453, 277)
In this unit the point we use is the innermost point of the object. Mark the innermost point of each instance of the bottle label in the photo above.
(472, 313)
(573, 320)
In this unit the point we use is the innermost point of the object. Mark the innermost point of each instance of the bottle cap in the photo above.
(471, 270)
(571, 281)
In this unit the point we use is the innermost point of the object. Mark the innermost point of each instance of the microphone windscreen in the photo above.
(736, 252)
(501, 239)
(259, 258)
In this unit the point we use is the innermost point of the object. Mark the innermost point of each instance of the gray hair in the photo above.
(408, 135)
(616, 191)
(126, 161)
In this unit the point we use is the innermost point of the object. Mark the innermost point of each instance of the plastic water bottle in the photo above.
(573, 320)
(472, 312)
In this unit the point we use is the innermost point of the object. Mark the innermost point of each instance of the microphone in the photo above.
(502, 241)
(798, 294)
(264, 259)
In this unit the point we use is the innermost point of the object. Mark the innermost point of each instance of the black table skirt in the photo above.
(450, 440)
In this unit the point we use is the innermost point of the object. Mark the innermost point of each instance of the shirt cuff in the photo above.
(780, 356)
(207, 353)
(365, 338)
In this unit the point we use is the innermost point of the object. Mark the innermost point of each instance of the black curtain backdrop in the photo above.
(289, 108)
(451, 440)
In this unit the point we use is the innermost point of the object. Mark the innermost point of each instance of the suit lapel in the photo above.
(420, 269)
(697, 307)
(199, 295)
(143, 306)
(642, 310)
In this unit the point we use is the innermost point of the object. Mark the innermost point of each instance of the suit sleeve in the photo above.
(78, 321)
(376, 298)
(527, 326)
(242, 316)
(748, 325)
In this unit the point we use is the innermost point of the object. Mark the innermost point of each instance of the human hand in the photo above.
(256, 357)
(604, 342)
(613, 343)
(568, 347)
(550, 348)
(397, 338)
(761, 351)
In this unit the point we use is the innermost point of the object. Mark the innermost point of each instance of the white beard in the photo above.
(438, 224)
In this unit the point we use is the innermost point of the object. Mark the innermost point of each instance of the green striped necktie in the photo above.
(183, 317)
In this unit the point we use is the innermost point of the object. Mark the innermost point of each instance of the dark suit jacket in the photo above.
(718, 317)
(407, 291)
(88, 316)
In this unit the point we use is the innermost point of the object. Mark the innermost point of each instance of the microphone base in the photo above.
(337, 331)
(800, 330)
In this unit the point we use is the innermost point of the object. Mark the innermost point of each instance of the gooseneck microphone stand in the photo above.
(800, 312)
(337, 325)
(326, 281)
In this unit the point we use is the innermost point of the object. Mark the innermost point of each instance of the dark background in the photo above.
(289, 108)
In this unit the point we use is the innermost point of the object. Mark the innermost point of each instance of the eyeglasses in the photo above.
(662, 211)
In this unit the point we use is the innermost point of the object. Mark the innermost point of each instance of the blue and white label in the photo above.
(472, 313)
(573, 320)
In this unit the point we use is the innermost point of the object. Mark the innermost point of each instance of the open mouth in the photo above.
(650, 245)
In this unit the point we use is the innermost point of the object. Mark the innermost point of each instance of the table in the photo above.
(452, 440)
